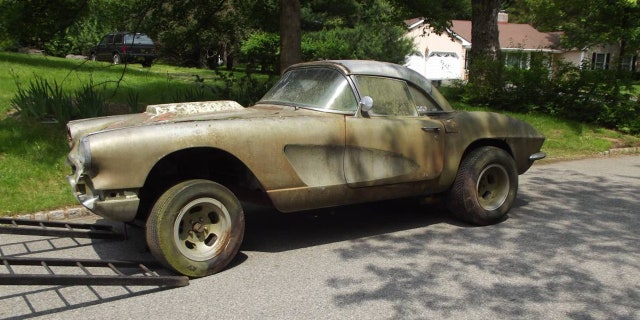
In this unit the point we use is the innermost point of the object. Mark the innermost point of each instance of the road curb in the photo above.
(618, 151)
(57, 214)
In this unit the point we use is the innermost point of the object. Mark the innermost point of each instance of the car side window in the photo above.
(118, 38)
(391, 97)
(423, 102)
(106, 40)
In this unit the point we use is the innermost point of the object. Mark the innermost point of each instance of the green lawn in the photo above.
(32, 154)
(569, 139)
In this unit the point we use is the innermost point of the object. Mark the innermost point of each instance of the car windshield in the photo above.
(139, 39)
(316, 88)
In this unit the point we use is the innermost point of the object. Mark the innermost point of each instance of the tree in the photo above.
(290, 33)
(437, 14)
(330, 29)
(32, 23)
(485, 56)
(585, 23)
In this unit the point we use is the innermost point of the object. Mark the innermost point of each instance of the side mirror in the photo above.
(366, 104)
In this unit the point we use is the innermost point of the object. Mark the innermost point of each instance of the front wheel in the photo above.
(485, 187)
(196, 228)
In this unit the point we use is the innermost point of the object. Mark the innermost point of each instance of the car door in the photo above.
(117, 44)
(102, 50)
(391, 144)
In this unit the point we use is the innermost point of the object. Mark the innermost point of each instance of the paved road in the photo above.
(570, 249)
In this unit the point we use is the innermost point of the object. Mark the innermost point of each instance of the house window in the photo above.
(628, 63)
(600, 61)
(519, 60)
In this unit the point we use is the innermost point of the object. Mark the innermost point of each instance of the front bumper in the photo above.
(118, 205)
(537, 156)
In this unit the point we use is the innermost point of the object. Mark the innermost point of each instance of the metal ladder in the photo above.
(62, 271)
(141, 275)
(58, 229)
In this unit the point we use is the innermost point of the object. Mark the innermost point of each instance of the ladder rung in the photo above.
(148, 278)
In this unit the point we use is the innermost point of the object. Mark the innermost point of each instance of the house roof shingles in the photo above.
(512, 36)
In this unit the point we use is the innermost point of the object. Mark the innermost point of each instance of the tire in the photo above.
(116, 58)
(485, 187)
(147, 63)
(195, 228)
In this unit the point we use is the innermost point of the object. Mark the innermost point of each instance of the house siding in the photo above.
(426, 43)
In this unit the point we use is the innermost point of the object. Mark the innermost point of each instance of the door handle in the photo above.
(431, 129)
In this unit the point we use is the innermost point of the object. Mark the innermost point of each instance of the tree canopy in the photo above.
(584, 23)
(191, 31)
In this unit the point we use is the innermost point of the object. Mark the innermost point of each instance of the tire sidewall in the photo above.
(464, 200)
(160, 226)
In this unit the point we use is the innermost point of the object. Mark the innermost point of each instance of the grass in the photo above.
(33, 166)
(32, 155)
(158, 84)
(567, 139)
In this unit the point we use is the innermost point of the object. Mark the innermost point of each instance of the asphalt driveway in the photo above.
(570, 249)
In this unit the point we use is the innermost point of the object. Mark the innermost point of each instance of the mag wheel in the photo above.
(196, 228)
(485, 187)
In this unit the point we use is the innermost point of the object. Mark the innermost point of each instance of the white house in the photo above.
(444, 56)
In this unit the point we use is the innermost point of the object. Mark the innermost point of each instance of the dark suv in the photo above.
(125, 47)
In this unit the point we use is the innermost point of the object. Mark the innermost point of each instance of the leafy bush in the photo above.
(89, 103)
(574, 93)
(59, 103)
(245, 90)
(357, 43)
(262, 49)
(45, 100)
(32, 101)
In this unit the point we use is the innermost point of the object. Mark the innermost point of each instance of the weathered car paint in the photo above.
(301, 158)
(388, 150)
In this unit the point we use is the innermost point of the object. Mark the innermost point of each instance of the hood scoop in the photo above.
(187, 108)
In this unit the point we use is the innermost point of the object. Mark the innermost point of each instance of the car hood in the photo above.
(178, 112)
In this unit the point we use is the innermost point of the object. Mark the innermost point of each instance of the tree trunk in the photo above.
(485, 55)
(290, 33)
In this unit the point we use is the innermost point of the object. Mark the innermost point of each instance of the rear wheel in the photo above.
(485, 187)
(196, 228)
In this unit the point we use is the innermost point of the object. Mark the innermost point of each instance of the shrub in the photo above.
(575, 93)
(245, 90)
(89, 102)
(43, 101)
(262, 49)
(32, 101)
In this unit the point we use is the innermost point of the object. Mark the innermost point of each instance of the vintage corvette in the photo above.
(329, 133)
